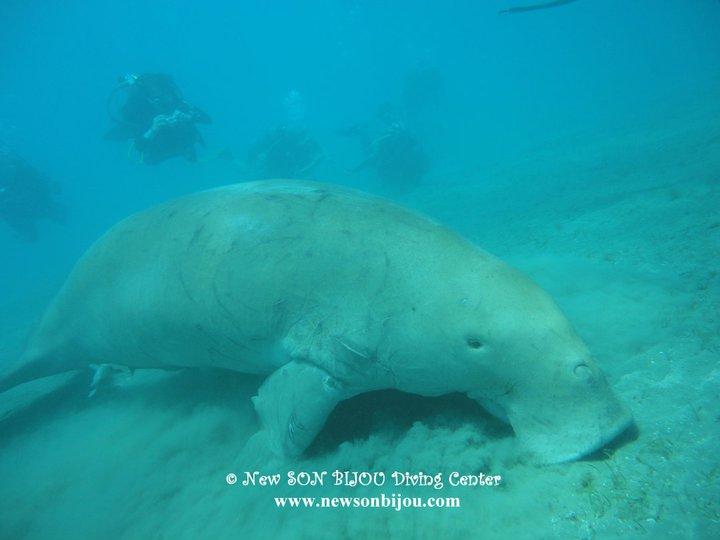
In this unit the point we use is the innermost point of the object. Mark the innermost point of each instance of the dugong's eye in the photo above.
(474, 343)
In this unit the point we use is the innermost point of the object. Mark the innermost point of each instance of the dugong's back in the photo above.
(217, 277)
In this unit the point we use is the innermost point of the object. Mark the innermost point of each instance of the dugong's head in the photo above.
(518, 356)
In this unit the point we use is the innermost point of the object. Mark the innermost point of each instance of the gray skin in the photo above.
(331, 293)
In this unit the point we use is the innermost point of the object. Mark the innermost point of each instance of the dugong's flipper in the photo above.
(104, 375)
(293, 404)
(100, 373)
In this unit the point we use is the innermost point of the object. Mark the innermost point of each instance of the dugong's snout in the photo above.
(560, 406)
(569, 438)
(525, 364)
(570, 419)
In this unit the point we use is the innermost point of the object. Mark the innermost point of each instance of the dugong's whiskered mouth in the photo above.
(559, 435)
(607, 438)
(571, 445)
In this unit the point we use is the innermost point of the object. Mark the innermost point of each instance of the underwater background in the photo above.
(580, 143)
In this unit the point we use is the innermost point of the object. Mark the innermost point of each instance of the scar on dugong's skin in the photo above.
(331, 293)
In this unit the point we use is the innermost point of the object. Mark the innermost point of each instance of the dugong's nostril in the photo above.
(474, 343)
(582, 371)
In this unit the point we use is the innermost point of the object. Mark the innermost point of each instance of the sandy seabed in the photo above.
(621, 227)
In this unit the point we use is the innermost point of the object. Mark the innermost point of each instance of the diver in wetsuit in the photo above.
(392, 152)
(155, 117)
(26, 196)
(285, 152)
(396, 157)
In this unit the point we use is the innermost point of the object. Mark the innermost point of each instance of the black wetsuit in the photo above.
(158, 121)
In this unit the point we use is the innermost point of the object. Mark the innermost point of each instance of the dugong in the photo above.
(329, 292)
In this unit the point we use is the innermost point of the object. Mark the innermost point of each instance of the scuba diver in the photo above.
(26, 196)
(395, 155)
(153, 115)
(287, 151)
(284, 152)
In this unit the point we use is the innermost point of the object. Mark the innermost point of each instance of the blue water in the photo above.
(580, 143)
